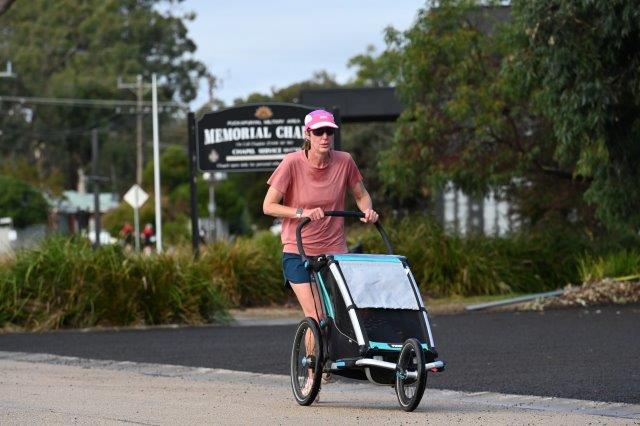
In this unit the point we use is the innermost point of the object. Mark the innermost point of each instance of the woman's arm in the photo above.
(272, 206)
(363, 200)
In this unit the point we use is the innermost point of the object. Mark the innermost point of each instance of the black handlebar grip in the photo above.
(339, 213)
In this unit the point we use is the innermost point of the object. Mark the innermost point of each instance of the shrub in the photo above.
(22, 202)
(64, 283)
(249, 269)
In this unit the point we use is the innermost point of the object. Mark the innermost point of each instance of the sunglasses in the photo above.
(322, 130)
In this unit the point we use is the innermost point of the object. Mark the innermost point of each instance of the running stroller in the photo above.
(374, 325)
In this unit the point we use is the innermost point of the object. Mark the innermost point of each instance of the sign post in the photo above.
(136, 197)
(193, 160)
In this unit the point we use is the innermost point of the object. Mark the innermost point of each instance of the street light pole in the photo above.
(156, 163)
(96, 188)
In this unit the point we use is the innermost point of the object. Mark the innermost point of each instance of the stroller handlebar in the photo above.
(339, 213)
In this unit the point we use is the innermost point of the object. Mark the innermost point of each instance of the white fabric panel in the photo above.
(379, 285)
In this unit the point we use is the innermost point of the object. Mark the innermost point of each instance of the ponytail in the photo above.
(306, 145)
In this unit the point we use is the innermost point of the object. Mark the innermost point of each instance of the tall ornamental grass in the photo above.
(249, 269)
(64, 283)
(618, 264)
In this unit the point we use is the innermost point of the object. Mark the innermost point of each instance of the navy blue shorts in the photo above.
(293, 269)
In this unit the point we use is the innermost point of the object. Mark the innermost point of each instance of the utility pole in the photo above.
(138, 88)
(96, 179)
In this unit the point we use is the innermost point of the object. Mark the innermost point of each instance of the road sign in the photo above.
(136, 196)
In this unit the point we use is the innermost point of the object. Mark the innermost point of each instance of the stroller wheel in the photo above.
(306, 362)
(411, 376)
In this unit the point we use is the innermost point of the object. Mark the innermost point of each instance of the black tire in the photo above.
(306, 365)
(410, 390)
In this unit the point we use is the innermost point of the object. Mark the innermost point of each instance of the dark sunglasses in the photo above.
(322, 130)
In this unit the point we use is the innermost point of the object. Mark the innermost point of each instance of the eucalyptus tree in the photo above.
(79, 49)
(580, 60)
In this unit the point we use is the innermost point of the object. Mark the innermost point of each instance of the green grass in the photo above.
(620, 263)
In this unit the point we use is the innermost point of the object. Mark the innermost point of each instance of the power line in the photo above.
(103, 124)
(97, 103)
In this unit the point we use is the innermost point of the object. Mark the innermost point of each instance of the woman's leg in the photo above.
(309, 301)
(312, 307)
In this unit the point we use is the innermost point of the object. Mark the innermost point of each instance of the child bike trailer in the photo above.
(374, 325)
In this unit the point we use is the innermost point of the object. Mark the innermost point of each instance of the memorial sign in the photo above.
(250, 137)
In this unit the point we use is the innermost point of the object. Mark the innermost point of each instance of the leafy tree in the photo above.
(319, 80)
(21, 202)
(377, 70)
(174, 169)
(580, 60)
(77, 49)
(50, 181)
(467, 120)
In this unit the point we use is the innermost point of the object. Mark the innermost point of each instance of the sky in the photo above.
(252, 46)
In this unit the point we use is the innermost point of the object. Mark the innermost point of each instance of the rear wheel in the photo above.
(411, 376)
(306, 362)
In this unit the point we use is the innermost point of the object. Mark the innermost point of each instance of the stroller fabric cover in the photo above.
(387, 307)
(378, 281)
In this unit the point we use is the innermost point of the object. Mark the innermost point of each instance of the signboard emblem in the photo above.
(264, 112)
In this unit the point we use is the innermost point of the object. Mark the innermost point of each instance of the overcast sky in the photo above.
(253, 46)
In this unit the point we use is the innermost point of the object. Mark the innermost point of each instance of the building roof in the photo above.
(73, 202)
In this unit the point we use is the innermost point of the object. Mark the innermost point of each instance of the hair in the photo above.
(306, 145)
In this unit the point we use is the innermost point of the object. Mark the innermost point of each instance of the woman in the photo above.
(306, 184)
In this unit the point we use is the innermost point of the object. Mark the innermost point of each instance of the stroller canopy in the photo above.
(378, 281)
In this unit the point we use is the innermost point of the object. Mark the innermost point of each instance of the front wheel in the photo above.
(306, 362)
(411, 376)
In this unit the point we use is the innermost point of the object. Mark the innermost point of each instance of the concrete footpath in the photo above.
(40, 388)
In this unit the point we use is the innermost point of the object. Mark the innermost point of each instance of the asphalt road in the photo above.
(584, 354)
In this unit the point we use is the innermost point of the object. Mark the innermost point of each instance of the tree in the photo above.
(467, 120)
(581, 62)
(21, 202)
(71, 49)
(319, 80)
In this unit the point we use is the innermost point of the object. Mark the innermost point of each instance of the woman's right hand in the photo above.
(313, 214)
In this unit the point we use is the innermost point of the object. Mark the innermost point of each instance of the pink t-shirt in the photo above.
(306, 186)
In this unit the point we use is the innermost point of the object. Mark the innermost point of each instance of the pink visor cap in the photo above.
(319, 118)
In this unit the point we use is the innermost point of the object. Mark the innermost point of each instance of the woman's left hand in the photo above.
(370, 216)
